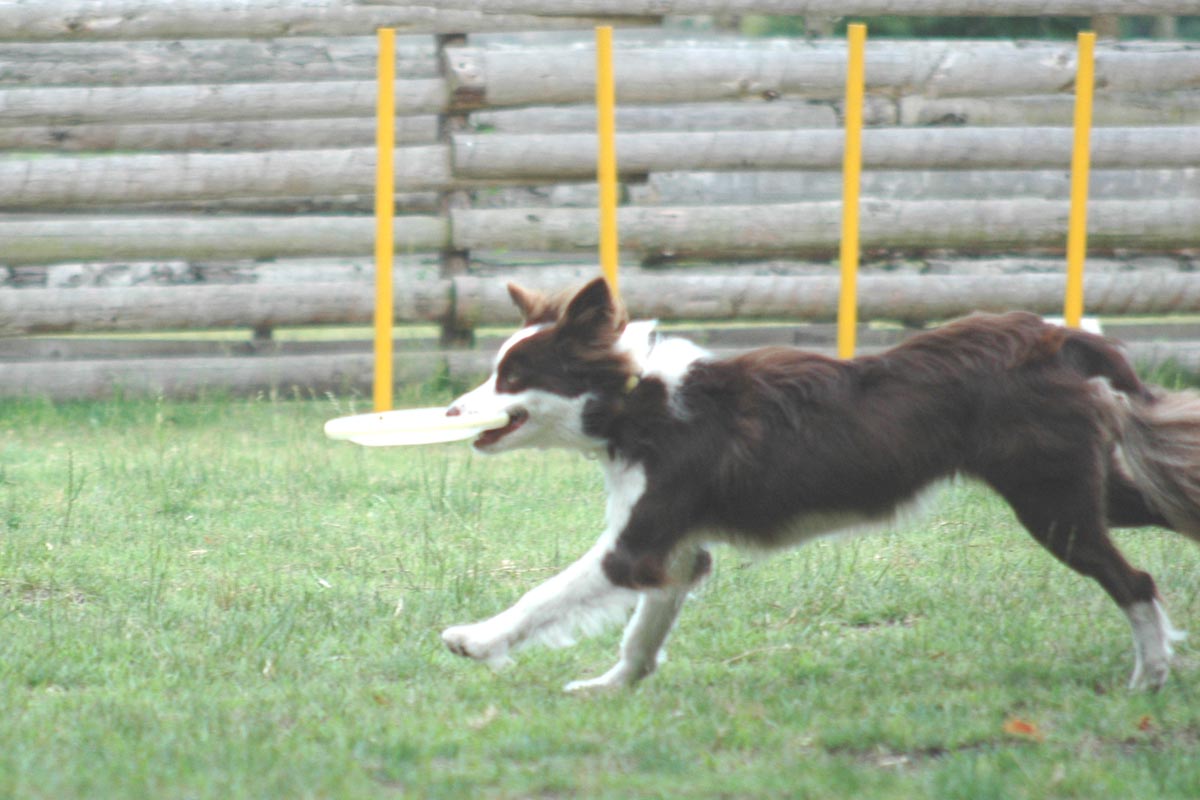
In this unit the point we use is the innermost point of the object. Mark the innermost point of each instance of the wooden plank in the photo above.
(717, 71)
(658, 74)
(40, 240)
(572, 156)
(159, 308)
(1111, 109)
(305, 375)
(908, 298)
(64, 182)
(830, 8)
(211, 102)
(477, 301)
(811, 229)
(480, 160)
(781, 114)
(784, 186)
(301, 58)
(340, 374)
(1116, 109)
(655, 233)
(200, 136)
(84, 348)
(75, 20)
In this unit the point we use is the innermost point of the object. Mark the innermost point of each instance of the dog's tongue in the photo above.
(516, 420)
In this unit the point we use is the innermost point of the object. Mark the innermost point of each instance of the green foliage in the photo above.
(211, 600)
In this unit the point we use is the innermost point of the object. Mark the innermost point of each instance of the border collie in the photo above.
(776, 446)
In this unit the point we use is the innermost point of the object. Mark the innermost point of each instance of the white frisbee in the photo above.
(411, 426)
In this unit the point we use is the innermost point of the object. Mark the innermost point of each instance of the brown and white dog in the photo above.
(775, 446)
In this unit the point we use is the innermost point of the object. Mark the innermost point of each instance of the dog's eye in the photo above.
(510, 380)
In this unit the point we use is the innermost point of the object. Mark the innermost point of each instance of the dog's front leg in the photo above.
(657, 609)
(579, 599)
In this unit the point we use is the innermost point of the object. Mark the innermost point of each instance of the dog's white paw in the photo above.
(595, 685)
(1153, 637)
(481, 642)
(622, 676)
(1150, 676)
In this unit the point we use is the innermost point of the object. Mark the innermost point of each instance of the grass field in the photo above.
(211, 600)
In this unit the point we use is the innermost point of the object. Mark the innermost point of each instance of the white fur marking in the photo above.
(667, 358)
(517, 337)
(580, 599)
(553, 420)
(1152, 637)
(670, 360)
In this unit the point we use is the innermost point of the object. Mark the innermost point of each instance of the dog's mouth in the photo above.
(516, 418)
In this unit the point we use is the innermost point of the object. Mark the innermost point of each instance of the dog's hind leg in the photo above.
(1066, 517)
(647, 631)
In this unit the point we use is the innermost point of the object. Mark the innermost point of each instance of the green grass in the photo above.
(212, 600)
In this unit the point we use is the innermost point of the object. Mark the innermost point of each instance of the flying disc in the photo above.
(411, 426)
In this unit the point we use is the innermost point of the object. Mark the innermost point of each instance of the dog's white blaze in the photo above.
(553, 421)
(1152, 638)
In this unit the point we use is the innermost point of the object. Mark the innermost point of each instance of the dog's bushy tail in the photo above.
(1159, 439)
(1156, 432)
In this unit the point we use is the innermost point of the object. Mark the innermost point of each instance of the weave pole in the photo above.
(1080, 165)
(606, 161)
(856, 35)
(385, 209)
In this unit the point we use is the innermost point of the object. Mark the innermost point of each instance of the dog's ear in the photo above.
(531, 303)
(591, 310)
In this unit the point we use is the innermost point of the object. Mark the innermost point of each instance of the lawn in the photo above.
(211, 600)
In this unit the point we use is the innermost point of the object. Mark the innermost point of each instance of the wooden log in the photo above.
(288, 134)
(775, 186)
(796, 229)
(572, 156)
(909, 298)
(159, 308)
(68, 182)
(811, 229)
(78, 348)
(208, 61)
(477, 301)
(75, 20)
(305, 376)
(834, 8)
(211, 103)
(40, 240)
(309, 204)
(1114, 109)
(101, 274)
(717, 71)
(537, 76)
(782, 114)
(318, 375)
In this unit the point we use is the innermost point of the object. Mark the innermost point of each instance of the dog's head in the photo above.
(567, 355)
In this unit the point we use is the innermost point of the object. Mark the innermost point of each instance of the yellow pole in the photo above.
(606, 162)
(1080, 161)
(385, 202)
(851, 171)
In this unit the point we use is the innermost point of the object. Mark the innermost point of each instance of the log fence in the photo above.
(229, 138)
